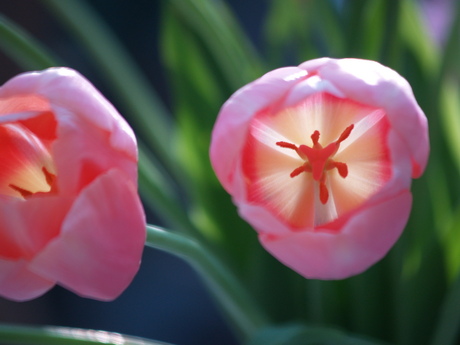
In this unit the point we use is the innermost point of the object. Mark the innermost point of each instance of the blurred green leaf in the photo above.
(53, 335)
(422, 282)
(448, 326)
(223, 38)
(160, 194)
(303, 335)
(373, 29)
(451, 244)
(200, 88)
(450, 117)
(329, 29)
(24, 49)
(288, 32)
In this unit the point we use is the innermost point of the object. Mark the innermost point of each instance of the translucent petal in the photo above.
(267, 166)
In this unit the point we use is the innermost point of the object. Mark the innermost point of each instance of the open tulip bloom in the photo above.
(70, 212)
(319, 160)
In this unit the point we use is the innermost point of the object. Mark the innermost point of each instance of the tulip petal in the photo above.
(65, 88)
(18, 283)
(371, 83)
(27, 226)
(91, 154)
(98, 251)
(236, 113)
(323, 255)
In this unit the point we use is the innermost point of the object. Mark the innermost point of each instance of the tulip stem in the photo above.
(51, 335)
(235, 299)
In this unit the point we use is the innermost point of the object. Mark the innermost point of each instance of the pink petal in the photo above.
(371, 83)
(230, 130)
(82, 152)
(64, 88)
(362, 241)
(27, 226)
(18, 283)
(99, 249)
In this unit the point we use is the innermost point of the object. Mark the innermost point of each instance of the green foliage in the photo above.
(302, 335)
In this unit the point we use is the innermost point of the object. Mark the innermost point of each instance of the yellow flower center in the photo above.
(26, 166)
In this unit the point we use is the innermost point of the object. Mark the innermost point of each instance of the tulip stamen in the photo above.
(49, 177)
(318, 160)
(24, 193)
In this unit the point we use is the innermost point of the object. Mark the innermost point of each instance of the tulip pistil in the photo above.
(318, 160)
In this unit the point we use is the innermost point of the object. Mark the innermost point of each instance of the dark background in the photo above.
(167, 300)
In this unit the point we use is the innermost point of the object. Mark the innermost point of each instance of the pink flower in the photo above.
(69, 210)
(319, 160)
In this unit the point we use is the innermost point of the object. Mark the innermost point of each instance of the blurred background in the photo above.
(400, 300)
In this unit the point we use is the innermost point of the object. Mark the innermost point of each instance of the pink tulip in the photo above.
(69, 210)
(319, 159)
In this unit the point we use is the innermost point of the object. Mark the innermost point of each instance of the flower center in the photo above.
(26, 166)
(318, 160)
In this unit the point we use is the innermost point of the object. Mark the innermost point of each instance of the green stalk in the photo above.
(22, 48)
(46, 335)
(240, 307)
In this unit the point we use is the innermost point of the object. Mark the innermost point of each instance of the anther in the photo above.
(318, 160)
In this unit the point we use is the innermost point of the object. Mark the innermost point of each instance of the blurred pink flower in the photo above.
(69, 209)
(319, 159)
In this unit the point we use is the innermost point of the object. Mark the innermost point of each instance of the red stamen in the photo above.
(24, 193)
(341, 167)
(318, 160)
(286, 145)
(298, 171)
(345, 134)
(48, 176)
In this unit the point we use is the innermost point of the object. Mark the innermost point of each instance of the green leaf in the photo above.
(225, 41)
(330, 29)
(159, 193)
(22, 48)
(450, 117)
(448, 326)
(200, 88)
(288, 32)
(46, 335)
(297, 334)
(373, 29)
